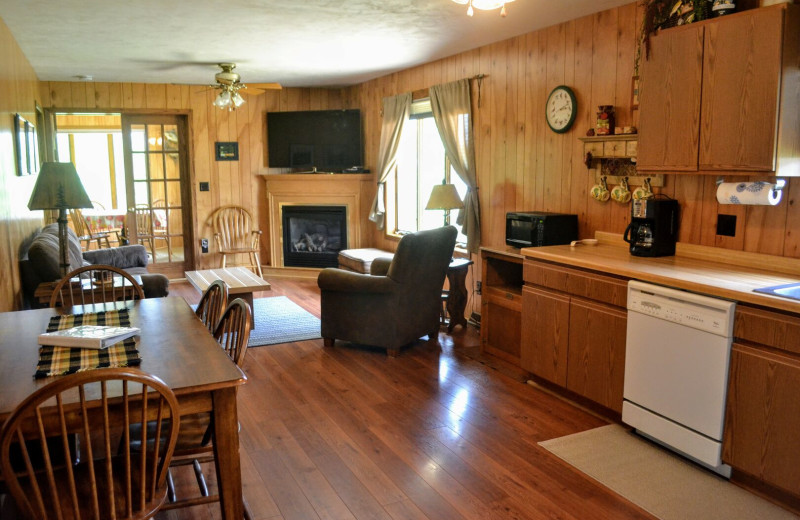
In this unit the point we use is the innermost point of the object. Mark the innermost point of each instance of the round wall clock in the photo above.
(560, 109)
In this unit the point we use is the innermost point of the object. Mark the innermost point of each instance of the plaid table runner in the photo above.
(56, 361)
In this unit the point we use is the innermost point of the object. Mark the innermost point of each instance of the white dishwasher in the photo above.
(676, 370)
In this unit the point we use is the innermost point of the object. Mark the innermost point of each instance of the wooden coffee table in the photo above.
(242, 282)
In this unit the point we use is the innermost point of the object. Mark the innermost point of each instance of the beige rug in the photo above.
(657, 480)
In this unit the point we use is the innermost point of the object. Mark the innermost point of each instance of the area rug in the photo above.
(279, 320)
(657, 480)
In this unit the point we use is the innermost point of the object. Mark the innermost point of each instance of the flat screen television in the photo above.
(325, 140)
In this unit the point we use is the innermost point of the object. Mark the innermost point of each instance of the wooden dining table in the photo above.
(174, 345)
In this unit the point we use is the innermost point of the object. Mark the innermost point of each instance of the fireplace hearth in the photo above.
(313, 235)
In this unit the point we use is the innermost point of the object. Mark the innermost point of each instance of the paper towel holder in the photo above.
(779, 183)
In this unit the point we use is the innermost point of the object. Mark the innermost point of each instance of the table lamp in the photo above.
(445, 196)
(59, 187)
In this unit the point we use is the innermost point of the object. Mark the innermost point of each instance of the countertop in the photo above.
(693, 269)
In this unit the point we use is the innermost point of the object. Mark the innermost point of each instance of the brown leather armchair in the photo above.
(396, 304)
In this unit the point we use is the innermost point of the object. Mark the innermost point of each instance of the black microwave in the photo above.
(534, 229)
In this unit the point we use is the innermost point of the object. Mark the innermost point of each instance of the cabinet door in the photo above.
(763, 416)
(597, 352)
(669, 106)
(741, 89)
(545, 334)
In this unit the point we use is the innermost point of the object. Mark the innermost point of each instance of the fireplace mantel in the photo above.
(316, 189)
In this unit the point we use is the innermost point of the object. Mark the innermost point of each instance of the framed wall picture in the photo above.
(21, 145)
(226, 151)
(33, 148)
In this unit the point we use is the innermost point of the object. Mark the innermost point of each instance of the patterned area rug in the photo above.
(280, 320)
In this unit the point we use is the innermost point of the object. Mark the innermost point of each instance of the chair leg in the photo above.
(224, 258)
(258, 265)
(171, 496)
(201, 479)
(328, 342)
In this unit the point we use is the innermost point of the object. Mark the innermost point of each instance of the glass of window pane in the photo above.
(139, 166)
(170, 137)
(173, 194)
(140, 193)
(156, 163)
(173, 165)
(155, 139)
(158, 194)
(138, 138)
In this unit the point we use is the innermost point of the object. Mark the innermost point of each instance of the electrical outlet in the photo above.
(478, 286)
(726, 225)
(204, 245)
(204, 186)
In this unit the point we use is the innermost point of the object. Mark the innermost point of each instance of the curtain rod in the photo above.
(423, 92)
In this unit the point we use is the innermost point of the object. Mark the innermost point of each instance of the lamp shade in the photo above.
(444, 196)
(58, 187)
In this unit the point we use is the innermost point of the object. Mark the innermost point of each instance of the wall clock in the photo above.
(560, 109)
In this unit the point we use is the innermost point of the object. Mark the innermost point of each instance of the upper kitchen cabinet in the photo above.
(724, 96)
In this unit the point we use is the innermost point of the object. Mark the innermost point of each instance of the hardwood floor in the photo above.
(439, 432)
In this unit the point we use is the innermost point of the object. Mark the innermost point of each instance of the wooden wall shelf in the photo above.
(614, 157)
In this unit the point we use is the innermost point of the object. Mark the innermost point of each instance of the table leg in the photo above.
(457, 297)
(248, 297)
(226, 453)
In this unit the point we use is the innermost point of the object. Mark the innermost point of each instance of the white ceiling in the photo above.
(298, 43)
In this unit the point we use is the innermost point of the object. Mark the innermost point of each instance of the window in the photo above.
(421, 164)
(93, 143)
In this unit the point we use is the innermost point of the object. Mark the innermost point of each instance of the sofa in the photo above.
(40, 263)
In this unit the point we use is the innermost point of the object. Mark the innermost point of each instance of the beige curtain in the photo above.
(452, 112)
(395, 114)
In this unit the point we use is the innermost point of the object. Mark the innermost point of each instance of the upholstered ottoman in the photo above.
(360, 260)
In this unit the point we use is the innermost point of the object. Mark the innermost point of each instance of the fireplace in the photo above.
(313, 235)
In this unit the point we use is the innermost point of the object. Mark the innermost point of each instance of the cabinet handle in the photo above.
(509, 296)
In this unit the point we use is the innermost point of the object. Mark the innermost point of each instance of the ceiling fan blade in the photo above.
(251, 91)
(265, 86)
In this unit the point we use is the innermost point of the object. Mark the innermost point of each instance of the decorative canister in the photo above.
(723, 7)
(605, 120)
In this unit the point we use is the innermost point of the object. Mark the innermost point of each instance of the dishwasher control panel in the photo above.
(685, 308)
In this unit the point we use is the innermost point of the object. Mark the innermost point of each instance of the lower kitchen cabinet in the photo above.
(596, 359)
(762, 419)
(573, 330)
(545, 334)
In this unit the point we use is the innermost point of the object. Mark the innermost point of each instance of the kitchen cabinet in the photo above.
(545, 334)
(763, 411)
(722, 95)
(596, 359)
(573, 330)
(501, 303)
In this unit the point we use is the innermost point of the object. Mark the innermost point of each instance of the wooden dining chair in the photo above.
(234, 235)
(147, 233)
(85, 233)
(194, 445)
(99, 406)
(93, 284)
(212, 304)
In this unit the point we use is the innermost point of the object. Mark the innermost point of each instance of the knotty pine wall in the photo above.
(522, 165)
(231, 182)
(18, 93)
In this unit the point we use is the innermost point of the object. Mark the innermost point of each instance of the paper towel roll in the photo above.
(750, 193)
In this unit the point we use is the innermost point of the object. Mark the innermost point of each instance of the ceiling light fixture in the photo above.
(484, 5)
(229, 97)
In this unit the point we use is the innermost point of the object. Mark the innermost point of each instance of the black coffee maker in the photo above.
(653, 230)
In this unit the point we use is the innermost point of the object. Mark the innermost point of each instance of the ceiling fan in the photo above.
(230, 86)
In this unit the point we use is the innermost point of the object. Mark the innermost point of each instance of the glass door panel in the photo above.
(157, 176)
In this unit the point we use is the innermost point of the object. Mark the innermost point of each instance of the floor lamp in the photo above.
(444, 196)
(59, 187)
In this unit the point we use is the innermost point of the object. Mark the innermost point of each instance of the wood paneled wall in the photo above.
(522, 165)
(231, 182)
(18, 88)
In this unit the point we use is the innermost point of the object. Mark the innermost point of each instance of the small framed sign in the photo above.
(226, 151)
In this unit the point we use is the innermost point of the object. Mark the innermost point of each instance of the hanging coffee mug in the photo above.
(644, 191)
(621, 193)
(600, 191)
